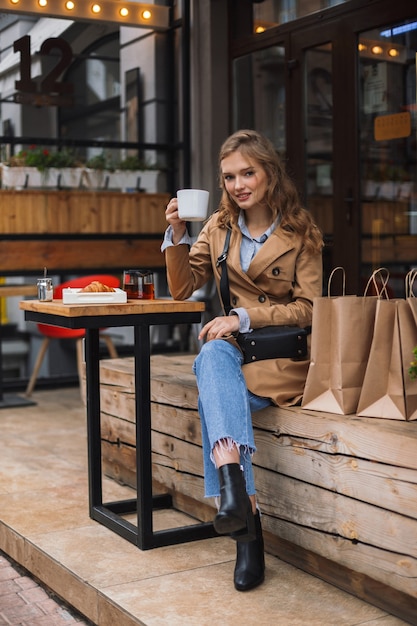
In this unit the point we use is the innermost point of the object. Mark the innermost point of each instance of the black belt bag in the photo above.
(269, 342)
(274, 342)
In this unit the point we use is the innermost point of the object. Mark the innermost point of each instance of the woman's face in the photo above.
(245, 180)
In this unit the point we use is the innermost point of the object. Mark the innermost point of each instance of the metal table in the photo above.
(141, 315)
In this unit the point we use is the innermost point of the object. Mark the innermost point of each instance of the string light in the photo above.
(130, 12)
(393, 52)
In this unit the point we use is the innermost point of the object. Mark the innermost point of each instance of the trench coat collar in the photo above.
(278, 243)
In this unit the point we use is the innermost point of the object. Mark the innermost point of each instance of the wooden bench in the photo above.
(338, 493)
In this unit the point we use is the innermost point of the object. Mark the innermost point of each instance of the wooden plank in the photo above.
(351, 476)
(387, 441)
(8, 290)
(19, 257)
(81, 212)
(333, 513)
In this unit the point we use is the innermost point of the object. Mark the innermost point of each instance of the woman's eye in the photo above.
(249, 173)
(228, 177)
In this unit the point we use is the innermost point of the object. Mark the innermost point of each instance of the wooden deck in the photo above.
(338, 493)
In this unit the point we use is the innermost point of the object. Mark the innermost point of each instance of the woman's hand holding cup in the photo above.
(190, 205)
(178, 225)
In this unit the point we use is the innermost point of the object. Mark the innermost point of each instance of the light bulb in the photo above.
(70, 5)
(377, 50)
(146, 14)
(124, 12)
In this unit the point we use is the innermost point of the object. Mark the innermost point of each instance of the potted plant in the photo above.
(135, 174)
(39, 167)
(97, 173)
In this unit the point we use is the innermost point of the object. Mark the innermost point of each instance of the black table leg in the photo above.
(143, 437)
(110, 514)
(93, 418)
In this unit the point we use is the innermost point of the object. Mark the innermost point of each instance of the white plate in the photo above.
(77, 296)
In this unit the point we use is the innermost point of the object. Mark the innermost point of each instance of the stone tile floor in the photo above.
(45, 527)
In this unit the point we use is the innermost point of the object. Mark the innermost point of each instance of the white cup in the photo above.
(192, 204)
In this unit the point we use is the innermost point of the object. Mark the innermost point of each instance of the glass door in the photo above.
(337, 95)
(387, 126)
(322, 148)
(353, 89)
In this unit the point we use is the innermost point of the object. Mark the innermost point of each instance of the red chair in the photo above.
(55, 332)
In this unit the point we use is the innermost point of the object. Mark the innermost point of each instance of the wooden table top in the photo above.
(131, 307)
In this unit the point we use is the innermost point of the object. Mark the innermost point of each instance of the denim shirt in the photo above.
(249, 247)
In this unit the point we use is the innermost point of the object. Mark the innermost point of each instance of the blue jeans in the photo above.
(225, 405)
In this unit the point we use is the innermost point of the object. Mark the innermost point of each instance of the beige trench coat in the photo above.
(278, 288)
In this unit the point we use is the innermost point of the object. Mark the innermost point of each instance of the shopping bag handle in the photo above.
(329, 283)
(409, 284)
(380, 289)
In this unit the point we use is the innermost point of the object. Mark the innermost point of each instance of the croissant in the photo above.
(96, 286)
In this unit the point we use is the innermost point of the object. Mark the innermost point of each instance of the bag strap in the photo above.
(224, 278)
(380, 287)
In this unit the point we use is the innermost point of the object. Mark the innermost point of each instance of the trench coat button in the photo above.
(275, 271)
(261, 298)
(234, 301)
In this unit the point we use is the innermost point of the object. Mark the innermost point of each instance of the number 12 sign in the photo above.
(50, 90)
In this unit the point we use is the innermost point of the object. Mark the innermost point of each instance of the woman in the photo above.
(274, 267)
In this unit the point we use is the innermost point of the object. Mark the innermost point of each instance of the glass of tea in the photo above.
(139, 284)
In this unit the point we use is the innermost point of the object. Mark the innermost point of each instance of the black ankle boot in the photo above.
(250, 560)
(235, 515)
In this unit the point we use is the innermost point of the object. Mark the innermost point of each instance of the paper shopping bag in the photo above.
(388, 391)
(342, 329)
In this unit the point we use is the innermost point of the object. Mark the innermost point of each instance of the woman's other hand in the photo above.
(220, 327)
(178, 225)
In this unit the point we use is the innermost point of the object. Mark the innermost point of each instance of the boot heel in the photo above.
(249, 532)
(250, 561)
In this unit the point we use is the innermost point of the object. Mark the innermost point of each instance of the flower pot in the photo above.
(96, 179)
(68, 177)
(150, 181)
(20, 177)
(32, 178)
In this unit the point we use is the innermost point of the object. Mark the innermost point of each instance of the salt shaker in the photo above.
(45, 289)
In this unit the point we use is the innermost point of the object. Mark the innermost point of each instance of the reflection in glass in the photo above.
(259, 94)
(319, 135)
(270, 13)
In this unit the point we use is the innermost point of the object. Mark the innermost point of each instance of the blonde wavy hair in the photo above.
(281, 196)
